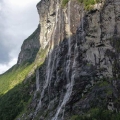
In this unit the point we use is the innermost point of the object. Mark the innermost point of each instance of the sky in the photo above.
(18, 20)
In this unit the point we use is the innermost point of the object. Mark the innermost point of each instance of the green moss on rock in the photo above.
(88, 4)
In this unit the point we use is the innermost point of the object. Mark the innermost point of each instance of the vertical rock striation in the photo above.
(82, 68)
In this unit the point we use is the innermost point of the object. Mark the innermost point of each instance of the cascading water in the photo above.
(55, 25)
(68, 93)
(46, 82)
(37, 80)
(52, 67)
(49, 68)
(59, 115)
(70, 81)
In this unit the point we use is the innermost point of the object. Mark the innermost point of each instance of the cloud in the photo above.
(4, 67)
(4, 54)
(0, 7)
(18, 19)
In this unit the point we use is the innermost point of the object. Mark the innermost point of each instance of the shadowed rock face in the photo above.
(81, 70)
(30, 48)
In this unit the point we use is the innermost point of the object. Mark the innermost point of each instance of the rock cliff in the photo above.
(30, 47)
(82, 68)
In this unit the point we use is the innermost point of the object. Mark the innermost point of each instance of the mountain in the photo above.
(68, 69)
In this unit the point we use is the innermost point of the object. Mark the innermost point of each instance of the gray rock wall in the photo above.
(81, 70)
(30, 48)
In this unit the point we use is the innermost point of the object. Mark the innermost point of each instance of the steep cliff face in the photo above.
(30, 48)
(82, 67)
(56, 22)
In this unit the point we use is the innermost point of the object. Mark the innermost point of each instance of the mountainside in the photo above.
(14, 90)
(74, 71)
(30, 48)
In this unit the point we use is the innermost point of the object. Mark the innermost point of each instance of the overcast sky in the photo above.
(18, 19)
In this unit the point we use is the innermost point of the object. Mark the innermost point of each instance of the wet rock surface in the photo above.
(81, 70)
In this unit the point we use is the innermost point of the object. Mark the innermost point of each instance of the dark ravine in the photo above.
(81, 71)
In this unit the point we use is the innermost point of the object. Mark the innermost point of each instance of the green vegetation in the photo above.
(64, 2)
(15, 87)
(41, 56)
(103, 83)
(87, 3)
(18, 73)
(14, 93)
(97, 114)
(109, 92)
(75, 117)
(106, 84)
(14, 77)
(15, 101)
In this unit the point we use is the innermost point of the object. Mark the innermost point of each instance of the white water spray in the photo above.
(49, 70)
(68, 93)
(70, 81)
(46, 83)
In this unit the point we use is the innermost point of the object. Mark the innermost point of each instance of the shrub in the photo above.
(64, 2)
(97, 114)
(87, 3)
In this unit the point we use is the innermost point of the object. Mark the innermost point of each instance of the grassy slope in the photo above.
(14, 92)
(17, 73)
(97, 114)
(13, 77)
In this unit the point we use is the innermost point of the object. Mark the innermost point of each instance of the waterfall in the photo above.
(68, 93)
(49, 68)
(55, 25)
(46, 82)
(53, 59)
(37, 80)
(70, 81)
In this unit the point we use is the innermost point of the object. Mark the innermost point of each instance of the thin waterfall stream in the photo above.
(46, 82)
(70, 81)
(51, 63)
(48, 68)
